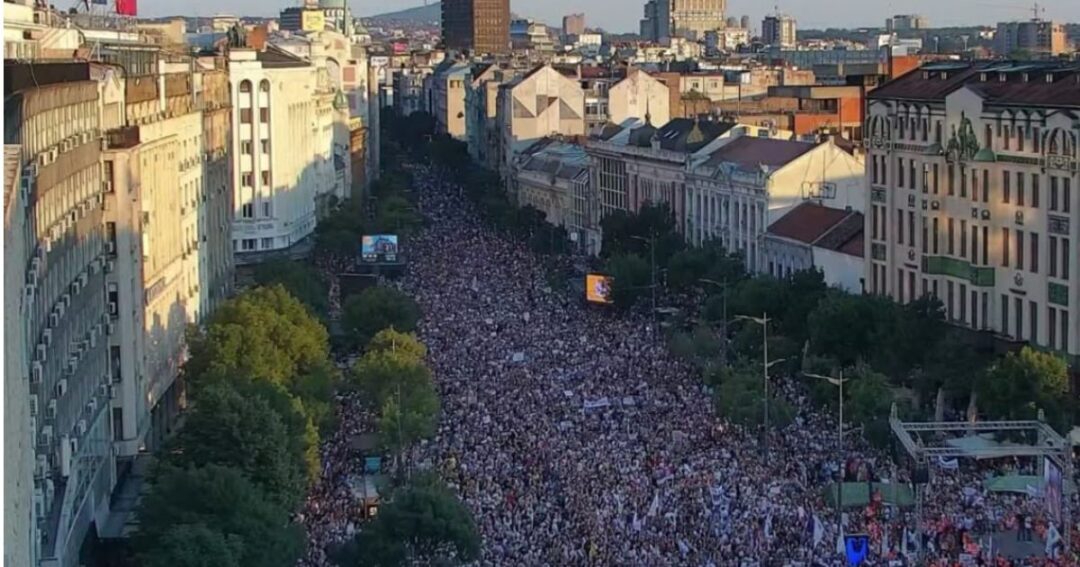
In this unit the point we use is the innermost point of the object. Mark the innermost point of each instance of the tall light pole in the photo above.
(765, 364)
(839, 383)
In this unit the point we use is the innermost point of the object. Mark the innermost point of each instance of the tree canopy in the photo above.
(631, 276)
(222, 509)
(1021, 383)
(244, 430)
(263, 333)
(377, 308)
(423, 522)
(301, 280)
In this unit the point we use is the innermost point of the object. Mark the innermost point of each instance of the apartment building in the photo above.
(637, 163)
(973, 176)
(552, 176)
(814, 236)
(736, 191)
(638, 95)
(779, 30)
(479, 26)
(539, 103)
(409, 90)
(690, 19)
(1040, 38)
(445, 92)
(55, 114)
(481, 110)
(287, 166)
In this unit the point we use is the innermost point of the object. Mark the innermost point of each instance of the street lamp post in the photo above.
(839, 383)
(766, 364)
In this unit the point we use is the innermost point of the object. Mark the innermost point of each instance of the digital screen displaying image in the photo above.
(379, 247)
(1052, 490)
(598, 288)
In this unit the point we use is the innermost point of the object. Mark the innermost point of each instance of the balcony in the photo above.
(944, 266)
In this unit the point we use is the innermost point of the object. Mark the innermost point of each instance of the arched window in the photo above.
(264, 86)
(245, 86)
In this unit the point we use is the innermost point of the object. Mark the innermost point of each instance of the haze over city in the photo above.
(623, 15)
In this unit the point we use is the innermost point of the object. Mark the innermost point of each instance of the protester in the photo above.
(576, 438)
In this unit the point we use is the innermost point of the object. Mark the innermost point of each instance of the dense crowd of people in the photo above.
(576, 438)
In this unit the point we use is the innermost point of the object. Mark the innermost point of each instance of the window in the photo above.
(900, 284)
(911, 285)
(245, 86)
(925, 178)
(265, 146)
(949, 309)
(267, 243)
(974, 244)
(1033, 328)
(266, 178)
(925, 237)
(963, 303)
(988, 137)
(952, 237)
(974, 185)
(245, 147)
(247, 179)
(935, 240)
(1066, 197)
(1004, 247)
(899, 226)
(1018, 318)
(266, 209)
(1034, 253)
(986, 185)
(1064, 258)
(1064, 329)
(951, 179)
(1053, 193)
(1005, 136)
(1020, 138)
(874, 223)
(247, 210)
(1035, 190)
(911, 174)
(1035, 139)
(911, 229)
(936, 179)
(986, 245)
(899, 172)
(963, 239)
(1019, 250)
(1020, 188)
(963, 182)
(264, 114)
(1051, 320)
(264, 86)
(248, 244)
(1006, 186)
(1004, 314)
(874, 169)
(245, 116)
(1053, 256)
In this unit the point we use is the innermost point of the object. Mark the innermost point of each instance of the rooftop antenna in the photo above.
(1036, 10)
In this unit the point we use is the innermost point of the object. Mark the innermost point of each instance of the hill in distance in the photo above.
(432, 13)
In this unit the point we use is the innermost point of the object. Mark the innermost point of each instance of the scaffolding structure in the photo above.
(1048, 445)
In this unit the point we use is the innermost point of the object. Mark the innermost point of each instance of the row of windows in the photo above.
(1018, 318)
(247, 210)
(1014, 184)
(246, 146)
(248, 179)
(1016, 138)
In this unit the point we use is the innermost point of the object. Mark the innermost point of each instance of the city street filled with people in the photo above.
(576, 438)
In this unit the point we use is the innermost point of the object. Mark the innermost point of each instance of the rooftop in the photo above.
(1038, 83)
(681, 134)
(750, 152)
(556, 157)
(824, 227)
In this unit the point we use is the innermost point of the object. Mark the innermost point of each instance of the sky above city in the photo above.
(623, 15)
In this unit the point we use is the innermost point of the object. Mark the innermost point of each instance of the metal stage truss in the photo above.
(1049, 445)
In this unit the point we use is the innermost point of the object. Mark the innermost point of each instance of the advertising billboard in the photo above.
(375, 248)
(598, 288)
(1052, 490)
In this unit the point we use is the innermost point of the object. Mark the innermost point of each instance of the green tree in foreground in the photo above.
(631, 276)
(424, 522)
(377, 308)
(301, 280)
(1020, 384)
(193, 545)
(263, 333)
(244, 430)
(740, 398)
(223, 502)
(392, 340)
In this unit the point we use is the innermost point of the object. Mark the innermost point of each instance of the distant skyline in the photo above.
(623, 15)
